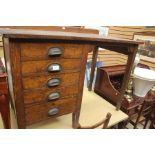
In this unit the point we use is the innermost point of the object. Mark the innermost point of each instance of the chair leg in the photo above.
(5, 111)
(139, 115)
(146, 123)
(104, 122)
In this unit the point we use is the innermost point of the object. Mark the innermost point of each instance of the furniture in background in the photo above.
(4, 98)
(109, 82)
(146, 113)
(46, 71)
(128, 50)
(152, 119)
(104, 123)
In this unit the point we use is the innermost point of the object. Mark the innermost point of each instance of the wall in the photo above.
(111, 58)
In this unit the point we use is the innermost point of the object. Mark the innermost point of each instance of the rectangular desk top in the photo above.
(34, 34)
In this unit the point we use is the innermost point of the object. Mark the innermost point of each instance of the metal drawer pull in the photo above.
(53, 82)
(54, 68)
(55, 51)
(53, 111)
(53, 96)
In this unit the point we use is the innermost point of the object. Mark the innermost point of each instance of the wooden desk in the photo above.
(30, 66)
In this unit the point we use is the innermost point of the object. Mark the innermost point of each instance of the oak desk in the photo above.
(46, 71)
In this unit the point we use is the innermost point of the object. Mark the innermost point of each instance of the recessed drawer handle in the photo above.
(53, 111)
(54, 68)
(53, 82)
(55, 51)
(53, 96)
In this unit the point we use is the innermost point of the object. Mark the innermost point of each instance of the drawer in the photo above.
(48, 110)
(39, 51)
(41, 95)
(43, 80)
(38, 67)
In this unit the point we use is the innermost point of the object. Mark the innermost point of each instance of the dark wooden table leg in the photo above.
(93, 66)
(129, 67)
(75, 120)
(5, 111)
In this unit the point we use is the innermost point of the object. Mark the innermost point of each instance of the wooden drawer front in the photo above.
(39, 51)
(42, 81)
(42, 94)
(42, 66)
(39, 112)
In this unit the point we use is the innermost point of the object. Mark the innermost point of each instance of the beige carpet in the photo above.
(94, 109)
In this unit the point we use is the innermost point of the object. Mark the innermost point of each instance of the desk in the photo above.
(35, 58)
(94, 108)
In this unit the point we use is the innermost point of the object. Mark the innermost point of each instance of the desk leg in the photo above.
(5, 111)
(75, 120)
(129, 67)
(93, 66)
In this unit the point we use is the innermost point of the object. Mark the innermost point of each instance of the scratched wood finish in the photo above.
(41, 80)
(39, 112)
(42, 94)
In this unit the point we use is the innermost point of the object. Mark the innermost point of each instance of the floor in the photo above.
(94, 109)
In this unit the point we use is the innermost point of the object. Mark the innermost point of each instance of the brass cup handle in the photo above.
(53, 82)
(53, 96)
(54, 68)
(53, 111)
(55, 51)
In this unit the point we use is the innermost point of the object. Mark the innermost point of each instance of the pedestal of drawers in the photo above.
(47, 79)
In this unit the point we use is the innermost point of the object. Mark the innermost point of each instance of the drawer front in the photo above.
(48, 110)
(37, 67)
(40, 51)
(45, 81)
(42, 95)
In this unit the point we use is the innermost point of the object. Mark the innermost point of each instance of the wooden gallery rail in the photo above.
(46, 71)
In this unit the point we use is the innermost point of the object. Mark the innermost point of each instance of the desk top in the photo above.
(33, 34)
(94, 109)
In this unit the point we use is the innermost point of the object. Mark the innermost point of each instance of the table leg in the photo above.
(93, 66)
(5, 111)
(130, 62)
(75, 119)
